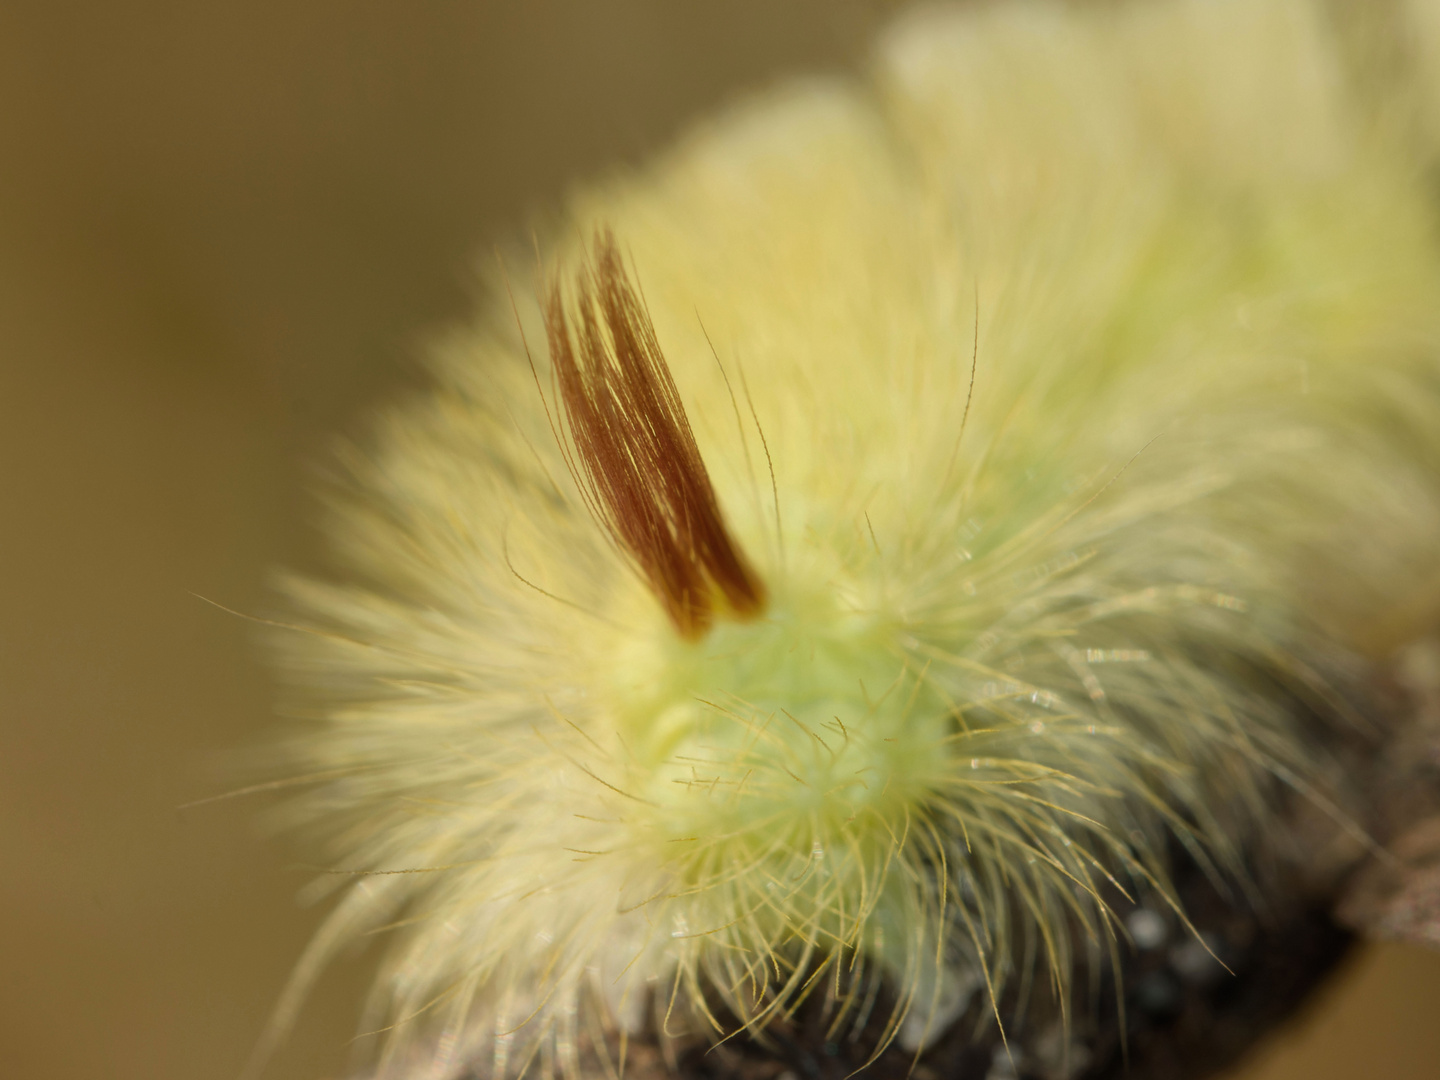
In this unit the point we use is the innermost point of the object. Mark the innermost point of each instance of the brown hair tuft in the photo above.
(629, 446)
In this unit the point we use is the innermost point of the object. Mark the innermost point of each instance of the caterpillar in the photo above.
(899, 542)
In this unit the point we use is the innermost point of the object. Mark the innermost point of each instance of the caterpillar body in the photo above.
(902, 526)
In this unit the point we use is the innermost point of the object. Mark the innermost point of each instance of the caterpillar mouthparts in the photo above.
(942, 552)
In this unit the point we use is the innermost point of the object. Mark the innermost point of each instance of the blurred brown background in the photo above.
(224, 231)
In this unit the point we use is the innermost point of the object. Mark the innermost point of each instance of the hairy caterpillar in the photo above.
(903, 523)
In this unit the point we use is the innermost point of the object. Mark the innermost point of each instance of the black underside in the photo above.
(1185, 1015)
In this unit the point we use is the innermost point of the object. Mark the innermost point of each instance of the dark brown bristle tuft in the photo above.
(633, 454)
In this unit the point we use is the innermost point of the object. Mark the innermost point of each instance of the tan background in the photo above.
(224, 228)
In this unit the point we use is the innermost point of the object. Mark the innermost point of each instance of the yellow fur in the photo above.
(1003, 658)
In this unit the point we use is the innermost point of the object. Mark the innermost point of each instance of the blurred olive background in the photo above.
(225, 232)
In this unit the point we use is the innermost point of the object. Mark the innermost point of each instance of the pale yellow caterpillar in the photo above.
(889, 531)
